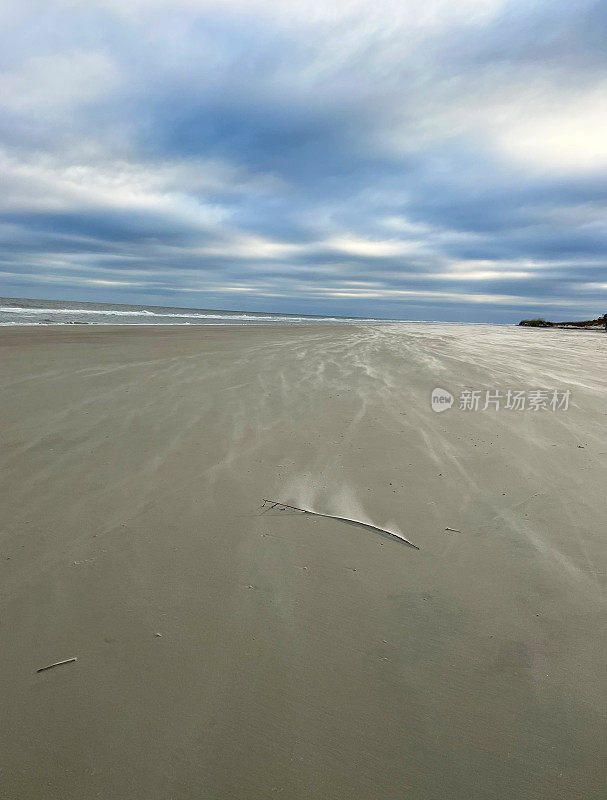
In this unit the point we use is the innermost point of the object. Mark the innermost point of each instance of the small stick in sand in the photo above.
(57, 664)
(454, 530)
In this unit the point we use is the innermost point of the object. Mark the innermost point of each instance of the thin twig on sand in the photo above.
(57, 664)
(397, 536)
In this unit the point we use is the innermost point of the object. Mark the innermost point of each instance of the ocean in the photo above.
(14, 311)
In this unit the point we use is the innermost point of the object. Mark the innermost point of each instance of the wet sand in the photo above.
(228, 653)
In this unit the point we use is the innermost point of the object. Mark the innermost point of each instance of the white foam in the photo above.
(24, 312)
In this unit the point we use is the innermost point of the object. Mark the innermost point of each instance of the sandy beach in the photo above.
(227, 651)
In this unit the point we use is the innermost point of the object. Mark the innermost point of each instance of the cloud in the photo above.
(564, 135)
(356, 246)
(56, 82)
(373, 159)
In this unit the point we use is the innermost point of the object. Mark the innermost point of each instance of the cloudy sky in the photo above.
(435, 159)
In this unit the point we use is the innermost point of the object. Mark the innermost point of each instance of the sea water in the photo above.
(15, 311)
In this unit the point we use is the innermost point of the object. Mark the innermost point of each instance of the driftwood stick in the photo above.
(285, 505)
(57, 664)
(350, 521)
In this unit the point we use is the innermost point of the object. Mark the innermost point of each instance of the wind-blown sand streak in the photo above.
(358, 523)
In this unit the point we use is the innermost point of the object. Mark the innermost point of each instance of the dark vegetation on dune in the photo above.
(538, 322)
